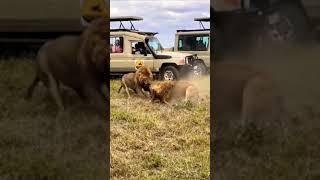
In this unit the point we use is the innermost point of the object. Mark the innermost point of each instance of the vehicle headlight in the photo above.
(189, 60)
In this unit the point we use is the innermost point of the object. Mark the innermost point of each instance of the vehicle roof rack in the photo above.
(134, 31)
(126, 18)
(202, 19)
(191, 30)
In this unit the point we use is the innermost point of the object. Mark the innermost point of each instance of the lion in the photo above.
(185, 90)
(162, 91)
(245, 96)
(138, 81)
(79, 62)
(167, 91)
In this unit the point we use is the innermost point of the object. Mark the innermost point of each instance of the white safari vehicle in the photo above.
(131, 49)
(195, 41)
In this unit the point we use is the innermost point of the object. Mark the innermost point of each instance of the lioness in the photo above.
(162, 91)
(166, 91)
(137, 81)
(76, 61)
(243, 95)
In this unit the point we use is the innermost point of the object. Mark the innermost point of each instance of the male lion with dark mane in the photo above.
(138, 81)
(78, 62)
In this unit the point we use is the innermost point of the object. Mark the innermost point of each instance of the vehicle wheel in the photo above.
(199, 69)
(170, 73)
(288, 23)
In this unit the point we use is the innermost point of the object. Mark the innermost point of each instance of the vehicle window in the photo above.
(193, 42)
(138, 48)
(180, 44)
(154, 44)
(116, 44)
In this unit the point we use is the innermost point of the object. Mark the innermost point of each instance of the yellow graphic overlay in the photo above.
(138, 63)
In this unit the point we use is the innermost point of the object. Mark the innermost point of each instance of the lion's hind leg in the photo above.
(127, 90)
(53, 87)
(32, 86)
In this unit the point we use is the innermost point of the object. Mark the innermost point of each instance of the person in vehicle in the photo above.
(140, 48)
(117, 48)
(200, 46)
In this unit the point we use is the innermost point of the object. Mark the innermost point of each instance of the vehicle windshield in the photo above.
(154, 44)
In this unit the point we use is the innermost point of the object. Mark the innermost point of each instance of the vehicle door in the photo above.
(141, 56)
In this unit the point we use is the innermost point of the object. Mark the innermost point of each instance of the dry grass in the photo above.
(153, 141)
(34, 142)
(296, 71)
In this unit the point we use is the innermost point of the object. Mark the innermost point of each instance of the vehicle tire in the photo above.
(169, 73)
(288, 23)
(199, 69)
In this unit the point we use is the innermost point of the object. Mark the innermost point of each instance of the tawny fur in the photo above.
(161, 90)
(166, 91)
(185, 90)
(244, 95)
(138, 81)
(79, 62)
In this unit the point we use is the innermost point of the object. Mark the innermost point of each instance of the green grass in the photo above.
(35, 143)
(153, 141)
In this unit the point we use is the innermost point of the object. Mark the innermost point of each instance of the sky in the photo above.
(162, 16)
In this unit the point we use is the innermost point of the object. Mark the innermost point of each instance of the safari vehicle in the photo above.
(131, 49)
(274, 21)
(195, 41)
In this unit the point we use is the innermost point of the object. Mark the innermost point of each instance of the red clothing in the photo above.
(117, 49)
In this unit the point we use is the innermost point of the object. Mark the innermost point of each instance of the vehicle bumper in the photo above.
(186, 70)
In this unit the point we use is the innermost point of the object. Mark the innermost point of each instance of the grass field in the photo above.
(296, 72)
(34, 143)
(153, 141)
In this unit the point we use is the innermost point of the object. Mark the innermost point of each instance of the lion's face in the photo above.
(144, 77)
(146, 83)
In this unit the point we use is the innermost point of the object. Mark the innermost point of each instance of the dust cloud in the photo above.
(295, 70)
(203, 85)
